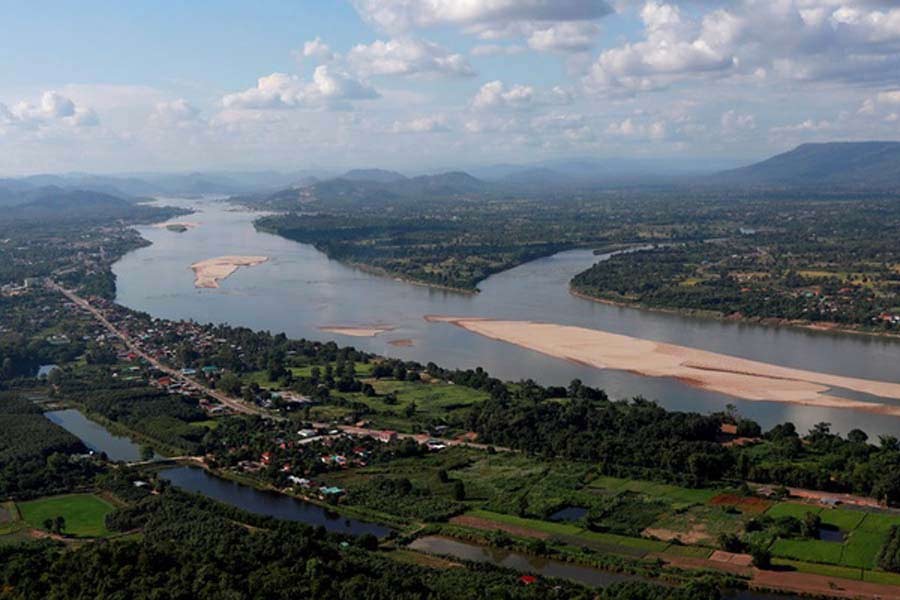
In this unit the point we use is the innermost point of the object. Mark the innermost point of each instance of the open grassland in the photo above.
(678, 496)
(85, 514)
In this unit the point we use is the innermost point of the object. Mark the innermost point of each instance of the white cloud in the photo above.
(407, 56)
(807, 126)
(54, 109)
(317, 50)
(329, 88)
(421, 125)
(176, 112)
(495, 94)
(733, 122)
(404, 15)
(564, 37)
(629, 128)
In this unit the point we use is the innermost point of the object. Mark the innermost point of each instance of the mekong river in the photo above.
(300, 290)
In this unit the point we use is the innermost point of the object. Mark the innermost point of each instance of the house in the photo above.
(331, 491)
(266, 458)
(386, 436)
(433, 444)
(301, 481)
(528, 579)
(307, 433)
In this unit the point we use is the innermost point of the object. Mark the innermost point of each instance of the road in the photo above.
(419, 437)
(234, 404)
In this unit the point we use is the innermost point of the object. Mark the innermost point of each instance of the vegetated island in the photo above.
(354, 331)
(733, 376)
(208, 273)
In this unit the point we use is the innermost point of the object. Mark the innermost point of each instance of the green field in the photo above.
(808, 550)
(861, 549)
(544, 526)
(679, 497)
(793, 509)
(85, 514)
(843, 519)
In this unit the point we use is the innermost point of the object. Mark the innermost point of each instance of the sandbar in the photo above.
(730, 375)
(364, 331)
(185, 224)
(208, 273)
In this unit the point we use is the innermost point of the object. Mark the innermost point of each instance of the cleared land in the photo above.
(85, 514)
(733, 376)
(208, 273)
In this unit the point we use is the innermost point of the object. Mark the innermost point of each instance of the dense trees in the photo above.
(194, 549)
(35, 454)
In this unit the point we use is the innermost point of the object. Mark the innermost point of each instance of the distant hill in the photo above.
(361, 188)
(869, 165)
(51, 204)
(376, 175)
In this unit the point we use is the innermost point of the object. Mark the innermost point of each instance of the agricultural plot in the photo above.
(701, 525)
(677, 496)
(792, 509)
(84, 514)
(808, 550)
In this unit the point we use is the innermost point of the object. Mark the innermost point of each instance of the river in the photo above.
(299, 290)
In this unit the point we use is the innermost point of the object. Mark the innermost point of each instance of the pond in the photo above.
(569, 514)
(95, 436)
(266, 503)
(831, 534)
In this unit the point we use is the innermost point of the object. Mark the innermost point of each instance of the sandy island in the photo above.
(208, 273)
(185, 224)
(738, 377)
(357, 331)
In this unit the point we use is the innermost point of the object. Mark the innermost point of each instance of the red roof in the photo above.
(528, 579)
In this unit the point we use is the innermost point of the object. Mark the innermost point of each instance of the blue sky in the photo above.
(427, 84)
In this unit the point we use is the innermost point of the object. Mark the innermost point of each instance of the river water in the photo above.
(299, 290)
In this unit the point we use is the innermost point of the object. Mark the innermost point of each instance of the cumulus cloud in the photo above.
(175, 112)
(407, 56)
(733, 122)
(564, 37)
(329, 88)
(636, 130)
(403, 15)
(495, 94)
(317, 50)
(432, 124)
(52, 109)
(855, 41)
(557, 25)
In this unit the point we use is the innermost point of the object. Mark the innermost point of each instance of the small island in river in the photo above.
(208, 273)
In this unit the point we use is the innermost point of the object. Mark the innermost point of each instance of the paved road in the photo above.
(232, 403)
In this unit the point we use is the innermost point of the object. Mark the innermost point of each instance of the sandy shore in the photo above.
(357, 331)
(208, 273)
(738, 377)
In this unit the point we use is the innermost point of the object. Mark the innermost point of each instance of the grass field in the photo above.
(861, 549)
(85, 514)
(678, 496)
(10, 522)
(819, 569)
(843, 519)
(792, 509)
(544, 526)
(808, 550)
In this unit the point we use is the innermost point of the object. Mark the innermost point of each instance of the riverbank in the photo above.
(357, 331)
(208, 273)
(730, 375)
(823, 327)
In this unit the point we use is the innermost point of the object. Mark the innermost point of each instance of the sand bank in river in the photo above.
(738, 377)
(357, 331)
(185, 224)
(208, 273)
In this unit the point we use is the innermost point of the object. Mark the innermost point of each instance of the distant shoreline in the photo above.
(823, 327)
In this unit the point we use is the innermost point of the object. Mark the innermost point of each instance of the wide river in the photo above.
(299, 290)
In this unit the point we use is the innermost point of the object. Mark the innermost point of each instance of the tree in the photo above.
(59, 525)
(147, 453)
(762, 558)
(459, 490)
(48, 524)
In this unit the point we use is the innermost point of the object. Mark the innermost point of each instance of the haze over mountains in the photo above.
(852, 165)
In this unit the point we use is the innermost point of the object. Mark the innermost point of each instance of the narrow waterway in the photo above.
(270, 504)
(299, 290)
(95, 436)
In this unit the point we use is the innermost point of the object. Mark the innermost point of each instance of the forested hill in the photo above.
(59, 205)
(869, 165)
(373, 187)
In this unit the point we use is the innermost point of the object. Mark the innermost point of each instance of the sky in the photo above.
(110, 87)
